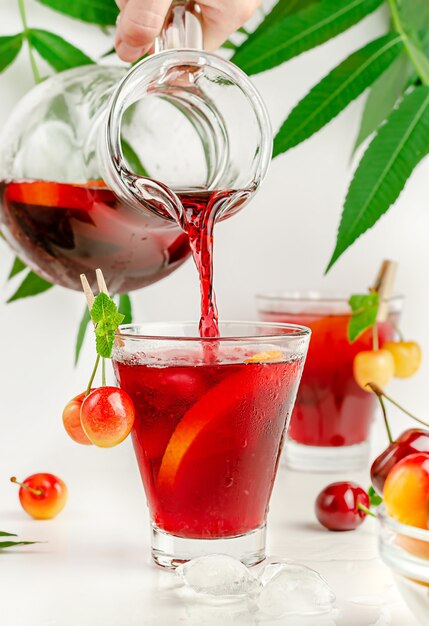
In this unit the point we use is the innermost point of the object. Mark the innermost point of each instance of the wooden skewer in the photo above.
(102, 287)
(87, 291)
(89, 294)
(383, 285)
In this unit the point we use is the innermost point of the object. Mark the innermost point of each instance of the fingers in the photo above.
(221, 18)
(139, 23)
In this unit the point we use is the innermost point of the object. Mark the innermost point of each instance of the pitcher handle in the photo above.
(182, 27)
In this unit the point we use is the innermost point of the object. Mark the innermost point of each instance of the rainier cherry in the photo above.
(375, 366)
(107, 416)
(71, 420)
(406, 491)
(407, 356)
(342, 506)
(42, 496)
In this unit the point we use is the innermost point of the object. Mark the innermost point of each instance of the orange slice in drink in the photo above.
(211, 408)
(269, 356)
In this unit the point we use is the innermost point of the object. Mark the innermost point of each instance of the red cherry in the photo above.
(338, 506)
(42, 496)
(107, 416)
(410, 442)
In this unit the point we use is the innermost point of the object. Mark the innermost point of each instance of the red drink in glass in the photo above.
(208, 435)
(332, 415)
(62, 230)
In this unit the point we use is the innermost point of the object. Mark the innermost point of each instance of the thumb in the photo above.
(139, 23)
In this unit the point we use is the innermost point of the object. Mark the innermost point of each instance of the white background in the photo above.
(283, 240)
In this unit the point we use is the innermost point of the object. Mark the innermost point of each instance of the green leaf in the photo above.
(10, 544)
(133, 160)
(414, 16)
(301, 31)
(86, 318)
(420, 60)
(17, 267)
(374, 499)
(32, 285)
(364, 314)
(9, 50)
(397, 148)
(385, 93)
(282, 9)
(102, 12)
(4, 534)
(125, 307)
(59, 53)
(335, 92)
(104, 314)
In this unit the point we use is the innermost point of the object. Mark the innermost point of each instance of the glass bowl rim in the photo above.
(398, 527)
(294, 331)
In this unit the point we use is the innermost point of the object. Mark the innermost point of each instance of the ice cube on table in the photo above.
(291, 588)
(218, 575)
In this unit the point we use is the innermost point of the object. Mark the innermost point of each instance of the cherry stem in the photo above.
(375, 343)
(94, 371)
(36, 492)
(364, 509)
(103, 372)
(379, 393)
(401, 408)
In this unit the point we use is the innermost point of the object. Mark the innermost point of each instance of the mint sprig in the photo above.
(364, 314)
(106, 317)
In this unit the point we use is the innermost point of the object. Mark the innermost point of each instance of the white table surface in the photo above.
(95, 569)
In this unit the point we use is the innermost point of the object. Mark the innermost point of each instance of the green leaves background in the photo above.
(394, 69)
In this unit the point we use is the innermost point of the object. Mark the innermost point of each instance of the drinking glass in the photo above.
(330, 426)
(211, 415)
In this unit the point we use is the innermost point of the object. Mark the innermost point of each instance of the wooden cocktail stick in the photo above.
(87, 291)
(383, 285)
(89, 295)
(102, 287)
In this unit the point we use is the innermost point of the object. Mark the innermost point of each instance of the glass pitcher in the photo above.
(96, 161)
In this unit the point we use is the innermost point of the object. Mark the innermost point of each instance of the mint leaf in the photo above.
(17, 267)
(32, 285)
(105, 315)
(364, 314)
(374, 499)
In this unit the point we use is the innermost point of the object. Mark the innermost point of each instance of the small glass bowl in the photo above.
(405, 550)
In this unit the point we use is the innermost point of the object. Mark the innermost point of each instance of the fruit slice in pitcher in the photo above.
(51, 194)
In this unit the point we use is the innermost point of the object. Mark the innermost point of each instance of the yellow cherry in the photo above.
(407, 356)
(373, 366)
